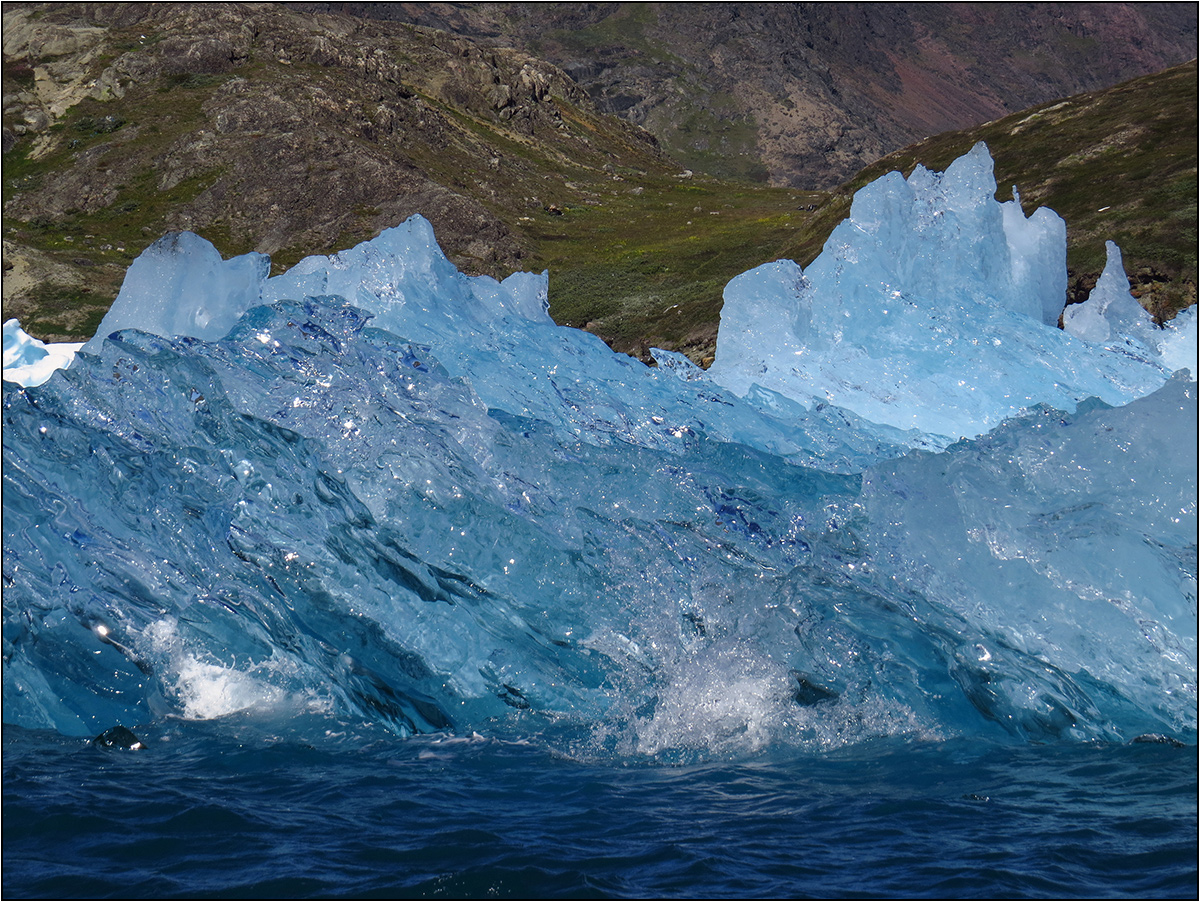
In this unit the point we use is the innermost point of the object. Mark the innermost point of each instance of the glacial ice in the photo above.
(924, 311)
(483, 330)
(393, 493)
(28, 361)
(1110, 310)
(1112, 317)
(180, 285)
(20, 348)
(1177, 342)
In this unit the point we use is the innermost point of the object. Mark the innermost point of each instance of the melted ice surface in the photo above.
(395, 494)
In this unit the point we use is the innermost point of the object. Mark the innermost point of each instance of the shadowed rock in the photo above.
(118, 738)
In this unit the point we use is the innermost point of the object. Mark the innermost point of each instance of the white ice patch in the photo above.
(30, 362)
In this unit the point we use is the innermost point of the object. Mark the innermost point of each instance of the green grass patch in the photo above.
(63, 312)
(650, 269)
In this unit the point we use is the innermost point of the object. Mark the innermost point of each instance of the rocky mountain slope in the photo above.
(806, 94)
(287, 130)
(271, 130)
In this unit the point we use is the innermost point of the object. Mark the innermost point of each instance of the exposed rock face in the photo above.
(334, 136)
(275, 130)
(812, 92)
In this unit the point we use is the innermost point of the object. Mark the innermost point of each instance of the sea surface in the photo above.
(200, 813)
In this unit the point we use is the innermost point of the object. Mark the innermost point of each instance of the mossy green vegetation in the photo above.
(67, 309)
(648, 268)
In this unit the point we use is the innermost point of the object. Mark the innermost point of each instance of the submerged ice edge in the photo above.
(473, 519)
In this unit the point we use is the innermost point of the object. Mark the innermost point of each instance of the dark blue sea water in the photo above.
(198, 814)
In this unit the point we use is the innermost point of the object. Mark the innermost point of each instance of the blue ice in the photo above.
(902, 502)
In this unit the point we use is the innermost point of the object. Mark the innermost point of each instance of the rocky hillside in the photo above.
(287, 130)
(806, 94)
(267, 129)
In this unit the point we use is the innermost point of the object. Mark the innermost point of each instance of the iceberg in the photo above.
(1112, 317)
(20, 348)
(1110, 311)
(180, 285)
(484, 331)
(932, 308)
(390, 493)
(1076, 557)
(28, 361)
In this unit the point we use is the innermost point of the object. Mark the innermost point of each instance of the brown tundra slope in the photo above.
(298, 128)
(807, 94)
